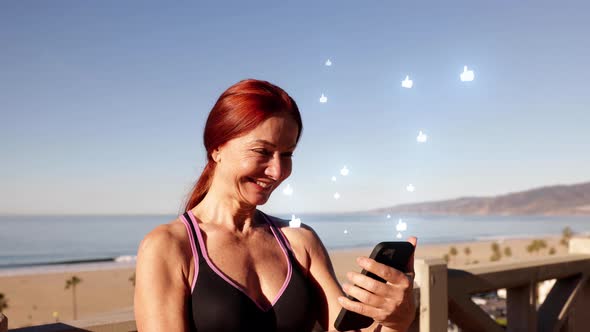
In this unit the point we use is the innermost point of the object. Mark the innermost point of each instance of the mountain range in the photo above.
(566, 200)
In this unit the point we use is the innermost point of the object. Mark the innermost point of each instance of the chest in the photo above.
(254, 285)
(257, 264)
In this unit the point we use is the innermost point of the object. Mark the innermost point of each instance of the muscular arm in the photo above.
(323, 276)
(161, 288)
(328, 287)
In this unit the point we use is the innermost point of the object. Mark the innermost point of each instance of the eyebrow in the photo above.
(263, 141)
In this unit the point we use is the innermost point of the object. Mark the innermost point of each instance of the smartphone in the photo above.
(393, 254)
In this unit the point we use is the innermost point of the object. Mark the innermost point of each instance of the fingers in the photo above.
(367, 289)
(363, 295)
(372, 285)
(359, 307)
(390, 274)
(413, 240)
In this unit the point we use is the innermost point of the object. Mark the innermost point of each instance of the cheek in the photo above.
(248, 164)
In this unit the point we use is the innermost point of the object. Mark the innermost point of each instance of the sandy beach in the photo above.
(34, 295)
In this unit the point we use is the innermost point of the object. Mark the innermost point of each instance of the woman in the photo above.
(226, 266)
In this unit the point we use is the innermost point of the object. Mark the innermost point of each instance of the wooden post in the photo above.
(431, 277)
(578, 319)
(521, 308)
(3, 323)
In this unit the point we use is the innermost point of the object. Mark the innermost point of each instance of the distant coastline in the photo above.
(559, 200)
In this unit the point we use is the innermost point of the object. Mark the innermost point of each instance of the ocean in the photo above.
(39, 240)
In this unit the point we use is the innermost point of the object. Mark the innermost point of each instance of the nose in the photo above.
(274, 168)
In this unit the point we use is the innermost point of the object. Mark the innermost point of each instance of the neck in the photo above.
(217, 209)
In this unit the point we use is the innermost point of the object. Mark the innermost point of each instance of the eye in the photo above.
(263, 152)
(287, 154)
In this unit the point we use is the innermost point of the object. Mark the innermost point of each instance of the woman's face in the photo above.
(250, 167)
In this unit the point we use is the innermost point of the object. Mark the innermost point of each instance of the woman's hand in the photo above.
(390, 304)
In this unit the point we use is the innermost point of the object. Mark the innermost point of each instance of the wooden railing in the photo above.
(120, 322)
(444, 295)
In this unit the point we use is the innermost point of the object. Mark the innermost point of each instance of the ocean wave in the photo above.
(125, 259)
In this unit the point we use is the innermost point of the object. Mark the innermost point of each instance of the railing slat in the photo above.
(431, 277)
(553, 311)
(521, 308)
(3, 323)
(469, 317)
(462, 311)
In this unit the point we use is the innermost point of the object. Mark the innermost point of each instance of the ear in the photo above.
(216, 155)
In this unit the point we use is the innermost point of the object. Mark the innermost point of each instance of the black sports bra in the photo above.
(219, 304)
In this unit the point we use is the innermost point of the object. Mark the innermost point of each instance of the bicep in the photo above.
(328, 288)
(160, 289)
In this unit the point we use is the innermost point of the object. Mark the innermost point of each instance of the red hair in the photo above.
(240, 109)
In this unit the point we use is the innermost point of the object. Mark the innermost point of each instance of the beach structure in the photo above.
(3, 323)
(444, 295)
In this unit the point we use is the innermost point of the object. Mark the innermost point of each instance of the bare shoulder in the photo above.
(162, 274)
(166, 241)
(173, 233)
(304, 240)
(297, 235)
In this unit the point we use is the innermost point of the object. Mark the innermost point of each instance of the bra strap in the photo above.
(196, 241)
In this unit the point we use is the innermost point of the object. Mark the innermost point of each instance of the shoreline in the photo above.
(62, 268)
(35, 293)
(125, 261)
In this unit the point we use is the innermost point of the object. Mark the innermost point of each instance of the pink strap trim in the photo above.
(231, 282)
(194, 250)
(280, 232)
(289, 266)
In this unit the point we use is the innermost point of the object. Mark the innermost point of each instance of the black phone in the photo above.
(393, 254)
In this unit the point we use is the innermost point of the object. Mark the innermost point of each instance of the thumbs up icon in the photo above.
(323, 99)
(295, 222)
(467, 75)
(401, 226)
(328, 63)
(344, 171)
(407, 83)
(422, 137)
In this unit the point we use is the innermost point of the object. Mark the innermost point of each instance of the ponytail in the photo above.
(201, 187)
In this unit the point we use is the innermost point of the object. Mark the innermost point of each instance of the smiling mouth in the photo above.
(261, 184)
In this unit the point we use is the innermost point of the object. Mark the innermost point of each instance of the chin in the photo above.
(258, 201)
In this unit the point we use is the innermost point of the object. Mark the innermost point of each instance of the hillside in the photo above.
(550, 201)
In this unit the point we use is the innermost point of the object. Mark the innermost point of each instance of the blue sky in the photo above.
(103, 103)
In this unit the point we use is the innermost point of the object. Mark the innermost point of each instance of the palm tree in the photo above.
(496, 253)
(536, 246)
(495, 248)
(72, 282)
(566, 235)
(467, 252)
(453, 252)
(446, 258)
(495, 257)
(3, 302)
